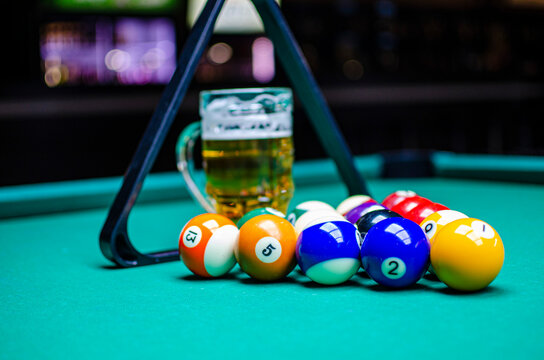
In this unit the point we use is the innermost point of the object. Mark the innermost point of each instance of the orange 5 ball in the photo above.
(467, 254)
(265, 248)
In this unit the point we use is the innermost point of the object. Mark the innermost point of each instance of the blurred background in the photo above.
(81, 78)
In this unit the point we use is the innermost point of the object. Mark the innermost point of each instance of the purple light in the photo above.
(263, 66)
(151, 46)
(126, 51)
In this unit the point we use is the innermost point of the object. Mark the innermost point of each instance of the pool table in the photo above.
(61, 298)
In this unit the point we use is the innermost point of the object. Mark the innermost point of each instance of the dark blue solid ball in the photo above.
(395, 252)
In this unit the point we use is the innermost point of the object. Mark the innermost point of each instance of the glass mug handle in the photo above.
(184, 158)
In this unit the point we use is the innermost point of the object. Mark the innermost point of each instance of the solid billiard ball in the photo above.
(352, 202)
(467, 254)
(395, 252)
(206, 245)
(372, 218)
(328, 253)
(436, 221)
(314, 217)
(265, 247)
(355, 214)
(408, 204)
(306, 206)
(396, 197)
(420, 212)
(257, 212)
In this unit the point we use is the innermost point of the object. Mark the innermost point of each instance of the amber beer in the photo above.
(247, 149)
(247, 174)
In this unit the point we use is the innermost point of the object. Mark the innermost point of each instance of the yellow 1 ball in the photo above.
(467, 254)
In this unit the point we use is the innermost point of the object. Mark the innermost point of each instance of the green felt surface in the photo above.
(62, 299)
(528, 169)
(49, 198)
(25, 200)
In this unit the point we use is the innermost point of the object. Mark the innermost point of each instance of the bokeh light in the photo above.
(117, 60)
(263, 66)
(220, 53)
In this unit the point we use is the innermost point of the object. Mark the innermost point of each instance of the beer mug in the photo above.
(247, 150)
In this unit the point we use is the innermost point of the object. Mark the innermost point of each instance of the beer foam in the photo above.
(263, 117)
(265, 126)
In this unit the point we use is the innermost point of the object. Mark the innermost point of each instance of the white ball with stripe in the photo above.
(351, 203)
(314, 217)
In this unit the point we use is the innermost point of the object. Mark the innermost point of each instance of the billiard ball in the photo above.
(257, 212)
(355, 214)
(467, 254)
(420, 212)
(396, 197)
(370, 219)
(314, 217)
(306, 206)
(352, 202)
(206, 245)
(395, 252)
(436, 221)
(408, 204)
(265, 247)
(328, 253)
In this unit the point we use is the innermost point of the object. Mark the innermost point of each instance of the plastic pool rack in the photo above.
(114, 240)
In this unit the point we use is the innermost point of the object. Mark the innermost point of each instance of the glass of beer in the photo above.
(247, 150)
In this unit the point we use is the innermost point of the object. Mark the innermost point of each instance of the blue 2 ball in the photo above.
(395, 252)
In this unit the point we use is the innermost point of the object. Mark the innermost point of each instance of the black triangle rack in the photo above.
(114, 240)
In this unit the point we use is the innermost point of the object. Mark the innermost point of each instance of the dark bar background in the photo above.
(463, 76)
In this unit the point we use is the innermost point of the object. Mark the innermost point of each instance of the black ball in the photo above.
(372, 218)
